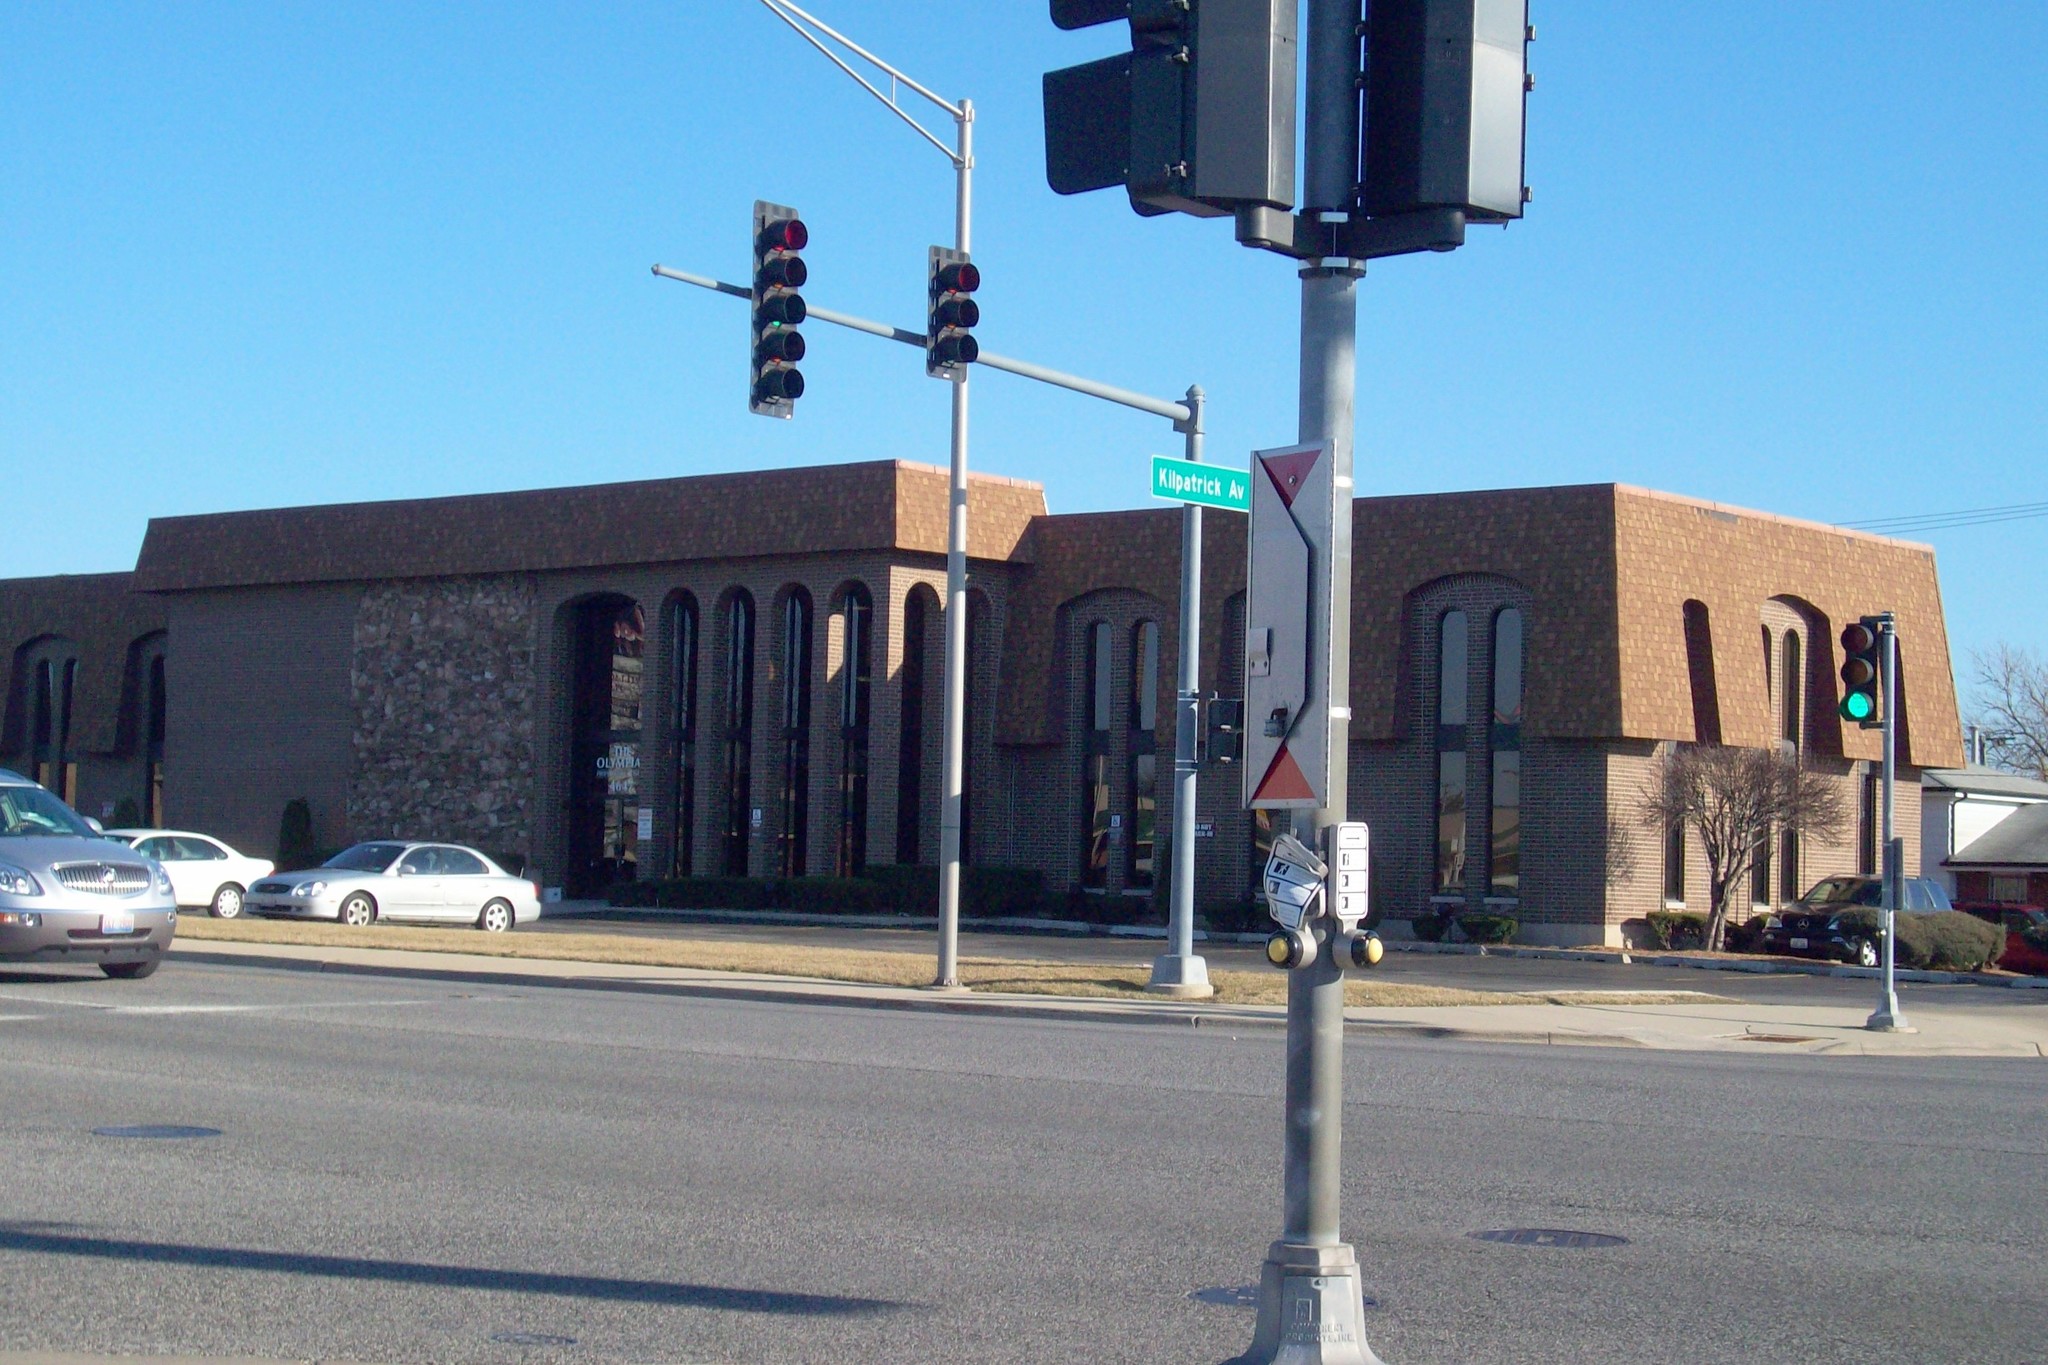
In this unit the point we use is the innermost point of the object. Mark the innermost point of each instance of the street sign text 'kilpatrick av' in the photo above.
(1212, 485)
(1286, 719)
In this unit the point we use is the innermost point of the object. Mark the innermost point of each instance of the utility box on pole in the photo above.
(1446, 84)
(1286, 686)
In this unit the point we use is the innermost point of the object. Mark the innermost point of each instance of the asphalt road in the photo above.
(1447, 969)
(413, 1171)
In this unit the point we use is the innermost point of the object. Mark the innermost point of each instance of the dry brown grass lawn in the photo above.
(1000, 975)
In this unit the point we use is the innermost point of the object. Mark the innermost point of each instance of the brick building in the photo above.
(742, 674)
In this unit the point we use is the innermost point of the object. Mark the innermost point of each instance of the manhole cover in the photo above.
(1550, 1237)
(1245, 1296)
(531, 1339)
(156, 1130)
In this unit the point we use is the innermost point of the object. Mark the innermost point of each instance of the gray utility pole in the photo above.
(1888, 1018)
(1178, 972)
(961, 154)
(1311, 1302)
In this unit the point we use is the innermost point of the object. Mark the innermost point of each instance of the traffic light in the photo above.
(1198, 117)
(775, 383)
(950, 311)
(1862, 670)
(1225, 729)
(1446, 88)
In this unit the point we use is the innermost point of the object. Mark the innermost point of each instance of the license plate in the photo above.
(118, 922)
(1799, 943)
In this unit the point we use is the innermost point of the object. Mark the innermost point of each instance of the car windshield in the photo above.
(365, 858)
(1843, 891)
(31, 810)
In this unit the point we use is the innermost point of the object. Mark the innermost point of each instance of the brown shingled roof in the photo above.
(882, 504)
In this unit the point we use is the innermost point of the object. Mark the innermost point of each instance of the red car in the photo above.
(2017, 920)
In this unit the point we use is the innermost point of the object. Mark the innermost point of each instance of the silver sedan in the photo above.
(399, 880)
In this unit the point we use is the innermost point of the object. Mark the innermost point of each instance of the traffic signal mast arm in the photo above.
(1177, 413)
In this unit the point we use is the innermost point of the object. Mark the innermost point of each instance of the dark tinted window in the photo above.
(458, 862)
(365, 858)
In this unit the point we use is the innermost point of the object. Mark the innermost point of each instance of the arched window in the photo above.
(794, 835)
(1505, 736)
(604, 790)
(1793, 682)
(910, 734)
(739, 731)
(1451, 715)
(856, 654)
(1143, 747)
(682, 710)
(55, 762)
(1095, 808)
(155, 727)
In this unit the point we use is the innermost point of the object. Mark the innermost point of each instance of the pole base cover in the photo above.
(1311, 1309)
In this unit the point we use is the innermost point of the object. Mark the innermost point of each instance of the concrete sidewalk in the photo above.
(2018, 1030)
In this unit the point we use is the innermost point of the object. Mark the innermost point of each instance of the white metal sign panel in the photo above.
(1293, 882)
(1286, 688)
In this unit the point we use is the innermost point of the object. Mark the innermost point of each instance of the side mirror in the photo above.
(96, 826)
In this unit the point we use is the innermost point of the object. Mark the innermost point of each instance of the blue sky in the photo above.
(1783, 256)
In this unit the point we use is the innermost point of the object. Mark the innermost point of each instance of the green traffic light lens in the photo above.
(1858, 706)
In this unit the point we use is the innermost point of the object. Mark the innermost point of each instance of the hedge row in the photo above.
(1944, 941)
(985, 893)
(1476, 926)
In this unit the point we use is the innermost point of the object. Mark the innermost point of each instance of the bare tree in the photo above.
(1621, 854)
(1735, 798)
(2012, 707)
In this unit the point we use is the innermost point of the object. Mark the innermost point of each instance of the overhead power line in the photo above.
(1945, 521)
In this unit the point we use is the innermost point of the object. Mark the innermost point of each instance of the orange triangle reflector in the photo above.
(1284, 781)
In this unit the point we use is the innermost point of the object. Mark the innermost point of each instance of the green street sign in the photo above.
(1210, 484)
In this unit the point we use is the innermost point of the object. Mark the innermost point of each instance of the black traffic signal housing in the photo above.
(775, 347)
(1446, 86)
(1863, 671)
(950, 312)
(1198, 117)
(1224, 733)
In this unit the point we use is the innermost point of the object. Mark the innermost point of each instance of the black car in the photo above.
(1819, 924)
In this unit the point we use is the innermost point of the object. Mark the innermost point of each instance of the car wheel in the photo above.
(227, 902)
(1866, 953)
(496, 918)
(357, 911)
(130, 971)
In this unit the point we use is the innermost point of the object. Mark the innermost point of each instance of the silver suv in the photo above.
(67, 895)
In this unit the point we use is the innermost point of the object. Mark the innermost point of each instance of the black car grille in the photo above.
(104, 879)
(272, 888)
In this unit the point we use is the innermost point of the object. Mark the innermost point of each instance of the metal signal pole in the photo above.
(1311, 1302)
(961, 154)
(1888, 1018)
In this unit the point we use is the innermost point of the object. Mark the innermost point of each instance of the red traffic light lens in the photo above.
(1857, 638)
(1858, 673)
(959, 277)
(788, 235)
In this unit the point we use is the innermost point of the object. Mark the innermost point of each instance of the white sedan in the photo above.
(392, 879)
(205, 873)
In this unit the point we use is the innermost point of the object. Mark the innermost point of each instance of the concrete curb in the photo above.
(854, 996)
(1026, 928)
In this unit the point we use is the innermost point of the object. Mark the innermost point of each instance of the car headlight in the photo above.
(307, 890)
(163, 882)
(15, 881)
(1773, 922)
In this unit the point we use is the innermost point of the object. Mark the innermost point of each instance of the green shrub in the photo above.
(985, 892)
(295, 848)
(1956, 942)
(1945, 941)
(1431, 926)
(837, 896)
(1243, 916)
(1482, 927)
(127, 815)
(1678, 929)
(1746, 937)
